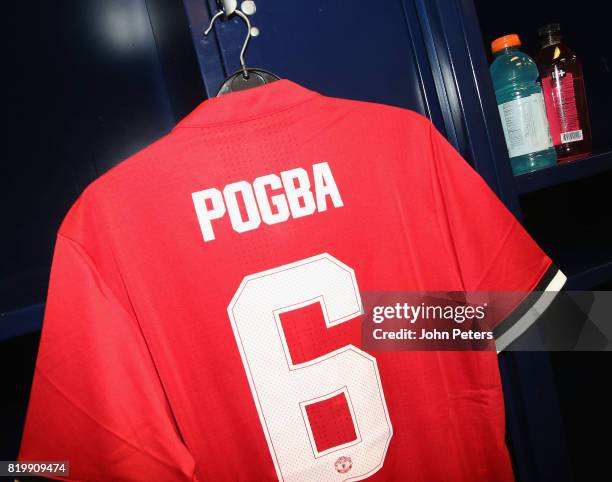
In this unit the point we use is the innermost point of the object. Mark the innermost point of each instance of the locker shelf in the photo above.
(571, 222)
(586, 264)
(565, 172)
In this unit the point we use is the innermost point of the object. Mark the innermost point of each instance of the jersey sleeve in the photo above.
(490, 248)
(96, 399)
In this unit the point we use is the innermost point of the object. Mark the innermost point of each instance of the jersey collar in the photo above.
(248, 104)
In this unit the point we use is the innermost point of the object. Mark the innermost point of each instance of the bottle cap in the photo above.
(549, 29)
(504, 42)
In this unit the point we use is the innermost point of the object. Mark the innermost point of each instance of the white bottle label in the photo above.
(525, 125)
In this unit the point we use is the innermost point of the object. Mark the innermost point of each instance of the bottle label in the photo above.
(525, 125)
(561, 109)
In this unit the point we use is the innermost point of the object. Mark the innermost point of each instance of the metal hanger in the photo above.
(243, 78)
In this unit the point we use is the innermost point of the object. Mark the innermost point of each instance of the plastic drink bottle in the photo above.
(521, 106)
(564, 95)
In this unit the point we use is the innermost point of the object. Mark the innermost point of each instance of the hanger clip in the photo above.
(228, 7)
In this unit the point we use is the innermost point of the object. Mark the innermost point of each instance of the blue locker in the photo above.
(118, 86)
(425, 55)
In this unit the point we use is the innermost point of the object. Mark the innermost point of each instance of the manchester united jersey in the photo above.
(203, 312)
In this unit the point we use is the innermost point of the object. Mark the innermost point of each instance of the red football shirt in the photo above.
(203, 309)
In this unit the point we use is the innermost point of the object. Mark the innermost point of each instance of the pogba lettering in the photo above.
(272, 199)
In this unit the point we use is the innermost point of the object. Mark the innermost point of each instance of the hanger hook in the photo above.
(245, 72)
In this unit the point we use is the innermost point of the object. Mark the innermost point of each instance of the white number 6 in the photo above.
(281, 389)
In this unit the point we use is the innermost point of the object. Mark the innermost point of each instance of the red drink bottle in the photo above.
(564, 96)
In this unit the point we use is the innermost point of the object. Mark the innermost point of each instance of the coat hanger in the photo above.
(243, 78)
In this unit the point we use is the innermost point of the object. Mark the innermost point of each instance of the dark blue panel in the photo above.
(363, 52)
(594, 275)
(20, 322)
(454, 46)
(84, 92)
